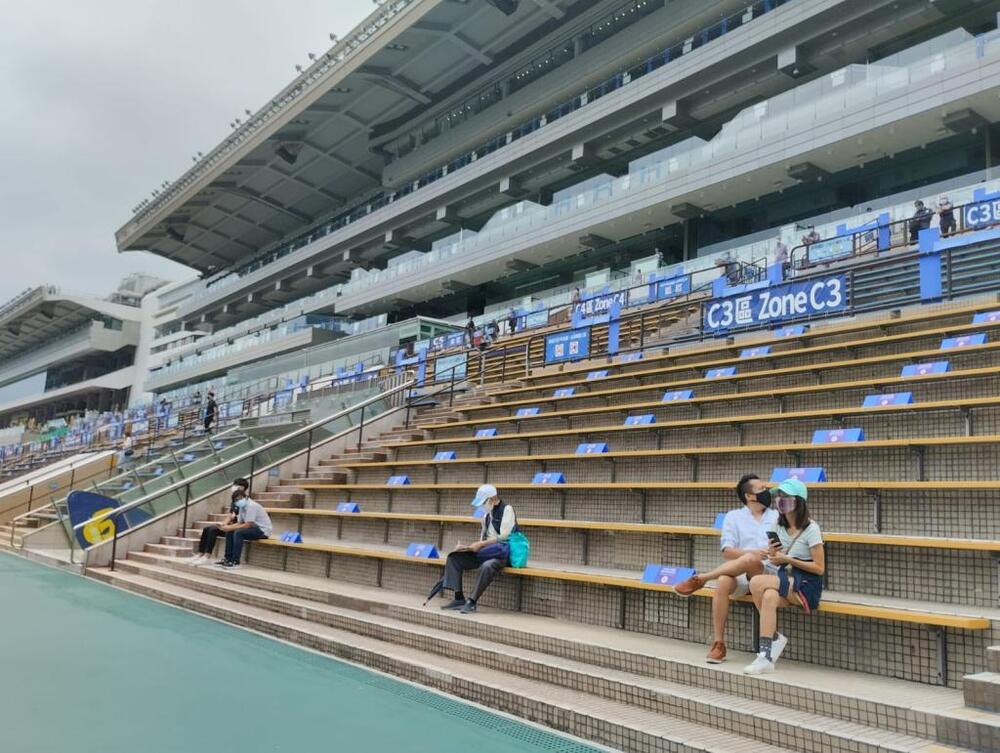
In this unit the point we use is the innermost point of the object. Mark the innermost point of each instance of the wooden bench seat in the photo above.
(689, 451)
(868, 539)
(817, 332)
(595, 578)
(726, 486)
(926, 353)
(872, 384)
(820, 415)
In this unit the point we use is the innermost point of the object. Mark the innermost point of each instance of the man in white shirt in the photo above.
(744, 547)
(252, 523)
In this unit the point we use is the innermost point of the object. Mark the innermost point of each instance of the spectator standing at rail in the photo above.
(211, 411)
(512, 322)
(946, 216)
(921, 220)
(811, 237)
(745, 550)
(470, 333)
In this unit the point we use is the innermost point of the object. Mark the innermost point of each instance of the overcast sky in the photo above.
(103, 100)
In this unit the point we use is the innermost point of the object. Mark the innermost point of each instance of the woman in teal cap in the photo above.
(798, 555)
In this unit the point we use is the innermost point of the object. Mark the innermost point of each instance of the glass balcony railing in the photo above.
(853, 88)
(232, 279)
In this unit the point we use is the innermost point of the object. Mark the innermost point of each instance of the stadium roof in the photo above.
(307, 153)
(44, 312)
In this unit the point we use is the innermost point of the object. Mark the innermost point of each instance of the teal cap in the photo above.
(792, 487)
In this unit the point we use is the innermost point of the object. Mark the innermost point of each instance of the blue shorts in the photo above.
(808, 585)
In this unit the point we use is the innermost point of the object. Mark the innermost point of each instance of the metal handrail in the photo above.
(678, 302)
(307, 450)
(250, 454)
(901, 229)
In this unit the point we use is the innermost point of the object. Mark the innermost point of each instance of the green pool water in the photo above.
(85, 668)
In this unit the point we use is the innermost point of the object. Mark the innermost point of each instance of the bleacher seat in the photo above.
(909, 515)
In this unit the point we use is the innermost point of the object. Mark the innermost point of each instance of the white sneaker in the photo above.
(195, 560)
(777, 646)
(760, 666)
(201, 559)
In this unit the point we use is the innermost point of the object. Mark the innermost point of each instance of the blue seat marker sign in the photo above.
(760, 350)
(719, 520)
(422, 551)
(986, 317)
(485, 433)
(842, 436)
(479, 512)
(549, 478)
(398, 481)
(348, 507)
(728, 371)
(592, 448)
(793, 331)
(291, 537)
(445, 455)
(630, 357)
(675, 395)
(889, 398)
(599, 374)
(524, 412)
(921, 369)
(963, 341)
(644, 419)
(666, 575)
(807, 475)
(564, 392)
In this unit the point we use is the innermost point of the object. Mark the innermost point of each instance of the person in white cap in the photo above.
(490, 554)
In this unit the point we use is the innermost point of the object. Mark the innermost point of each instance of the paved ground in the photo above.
(86, 668)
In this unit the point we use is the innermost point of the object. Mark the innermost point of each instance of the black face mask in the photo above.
(764, 498)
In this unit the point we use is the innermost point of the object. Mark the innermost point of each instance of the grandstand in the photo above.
(685, 234)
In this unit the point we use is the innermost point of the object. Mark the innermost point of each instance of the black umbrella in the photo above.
(435, 591)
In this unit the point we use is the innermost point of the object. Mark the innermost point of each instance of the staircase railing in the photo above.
(264, 459)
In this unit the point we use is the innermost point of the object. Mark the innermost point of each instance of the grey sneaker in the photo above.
(454, 604)
(469, 608)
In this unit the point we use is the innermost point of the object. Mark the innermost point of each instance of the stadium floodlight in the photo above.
(298, 68)
(507, 7)
(333, 37)
(248, 112)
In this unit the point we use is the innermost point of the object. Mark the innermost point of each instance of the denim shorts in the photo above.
(807, 584)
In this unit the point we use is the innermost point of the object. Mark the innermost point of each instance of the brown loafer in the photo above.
(717, 653)
(687, 587)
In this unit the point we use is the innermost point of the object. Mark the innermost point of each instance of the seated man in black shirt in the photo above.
(209, 534)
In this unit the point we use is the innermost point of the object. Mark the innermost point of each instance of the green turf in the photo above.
(85, 668)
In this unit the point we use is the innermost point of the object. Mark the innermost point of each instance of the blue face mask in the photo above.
(241, 503)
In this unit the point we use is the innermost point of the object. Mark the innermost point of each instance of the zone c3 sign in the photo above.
(774, 304)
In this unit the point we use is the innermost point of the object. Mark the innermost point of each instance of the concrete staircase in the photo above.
(629, 691)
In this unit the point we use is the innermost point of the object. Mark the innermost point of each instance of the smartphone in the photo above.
(772, 537)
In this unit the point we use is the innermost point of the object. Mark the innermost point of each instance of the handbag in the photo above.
(808, 586)
(520, 549)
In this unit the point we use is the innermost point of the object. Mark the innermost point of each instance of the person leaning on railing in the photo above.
(921, 220)
(946, 216)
